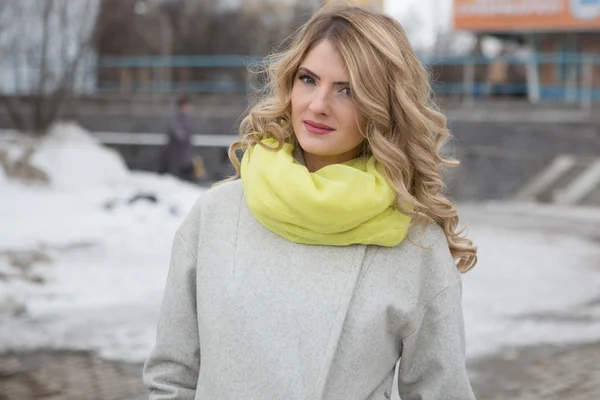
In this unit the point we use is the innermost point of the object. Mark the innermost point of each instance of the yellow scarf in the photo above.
(338, 205)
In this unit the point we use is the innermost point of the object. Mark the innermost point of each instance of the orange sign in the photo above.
(527, 15)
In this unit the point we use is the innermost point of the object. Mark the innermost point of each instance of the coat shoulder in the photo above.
(425, 258)
(216, 203)
(222, 194)
(428, 234)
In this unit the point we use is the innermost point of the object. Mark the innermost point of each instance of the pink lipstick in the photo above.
(317, 128)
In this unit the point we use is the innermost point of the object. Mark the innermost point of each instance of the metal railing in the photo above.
(556, 76)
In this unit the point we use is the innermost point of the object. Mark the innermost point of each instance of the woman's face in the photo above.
(324, 115)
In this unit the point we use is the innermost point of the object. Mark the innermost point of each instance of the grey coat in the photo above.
(249, 315)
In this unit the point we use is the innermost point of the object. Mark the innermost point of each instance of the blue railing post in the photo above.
(533, 73)
(587, 83)
(468, 81)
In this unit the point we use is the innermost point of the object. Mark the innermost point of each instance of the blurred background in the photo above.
(92, 90)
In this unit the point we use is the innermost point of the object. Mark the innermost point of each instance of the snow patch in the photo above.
(73, 159)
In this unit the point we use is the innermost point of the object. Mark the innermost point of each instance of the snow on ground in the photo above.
(533, 285)
(74, 160)
(536, 281)
(109, 258)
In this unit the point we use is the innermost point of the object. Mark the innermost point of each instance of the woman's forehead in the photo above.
(326, 62)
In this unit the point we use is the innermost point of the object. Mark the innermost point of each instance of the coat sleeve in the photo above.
(171, 371)
(432, 363)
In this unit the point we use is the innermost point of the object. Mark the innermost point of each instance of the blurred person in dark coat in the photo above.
(178, 155)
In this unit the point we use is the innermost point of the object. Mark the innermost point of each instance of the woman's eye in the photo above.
(307, 79)
(346, 91)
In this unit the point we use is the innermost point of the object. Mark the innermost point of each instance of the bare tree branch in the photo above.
(9, 12)
(51, 43)
(66, 83)
(38, 100)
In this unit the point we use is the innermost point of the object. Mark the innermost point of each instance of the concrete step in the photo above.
(593, 198)
(550, 192)
(537, 186)
(566, 180)
(581, 186)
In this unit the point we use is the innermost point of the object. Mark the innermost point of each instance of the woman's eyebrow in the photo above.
(308, 71)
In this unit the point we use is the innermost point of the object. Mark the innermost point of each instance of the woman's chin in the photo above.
(321, 145)
(317, 149)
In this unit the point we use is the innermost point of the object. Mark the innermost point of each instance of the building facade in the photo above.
(563, 37)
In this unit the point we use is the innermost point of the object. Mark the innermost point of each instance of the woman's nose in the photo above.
(320, 103)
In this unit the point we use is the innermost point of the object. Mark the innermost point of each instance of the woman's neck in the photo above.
(315, 162)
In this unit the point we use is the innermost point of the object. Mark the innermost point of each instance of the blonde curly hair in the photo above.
(403, 129)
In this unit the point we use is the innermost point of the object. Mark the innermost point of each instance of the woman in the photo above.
(335, 255)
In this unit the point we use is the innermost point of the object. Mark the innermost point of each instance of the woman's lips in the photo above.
(317, 128)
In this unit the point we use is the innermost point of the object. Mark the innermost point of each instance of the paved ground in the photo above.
(548, 373)
(66, 376)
